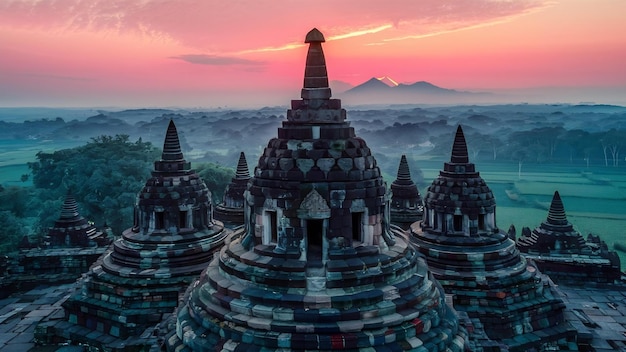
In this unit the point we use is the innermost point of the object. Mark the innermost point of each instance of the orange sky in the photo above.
(225, 53)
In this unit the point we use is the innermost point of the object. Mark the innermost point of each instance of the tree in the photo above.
(612, 142)
(216, 178)
(104, 175)
(580, 144)
(12, 229)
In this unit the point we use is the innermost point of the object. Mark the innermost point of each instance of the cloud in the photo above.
(224, 28)
(213, 60)
(59, 77)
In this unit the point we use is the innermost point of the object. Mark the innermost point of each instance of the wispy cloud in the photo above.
(214, 60)
(451, 26)
(360, 32)
(59, 78)
(289, 46)
(222, 27)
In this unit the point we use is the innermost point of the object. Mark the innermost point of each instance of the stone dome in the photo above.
(317, 266)
(230, 210)
(173, 238)
(480, 266)
(406, 201)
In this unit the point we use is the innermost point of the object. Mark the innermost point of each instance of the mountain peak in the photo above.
(388, 81)
(372, 85)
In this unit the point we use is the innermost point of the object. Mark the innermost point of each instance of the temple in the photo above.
(317, 266)
(137, 284)
(561, 252)
(480, 266)
(230, 210)
(406, 201)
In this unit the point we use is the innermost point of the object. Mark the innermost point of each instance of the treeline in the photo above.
(104, 175)
(541, 145)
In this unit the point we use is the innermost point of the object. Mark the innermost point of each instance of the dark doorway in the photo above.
(357, 227)
(272, 226)
(458, 223)
(182, 219)
(314, 233)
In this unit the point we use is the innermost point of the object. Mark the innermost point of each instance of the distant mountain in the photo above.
(373, 85)
(386, 90)
(427, 87)
(339, 87)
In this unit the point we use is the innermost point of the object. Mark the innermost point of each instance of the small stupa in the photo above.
(479, 266)
(68, 249)
(406, 201)
(317, 266)
(73, 230)
(562, 253)
(139, 283)
(230, 210)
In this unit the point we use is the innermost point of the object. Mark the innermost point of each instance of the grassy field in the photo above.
(16, 153)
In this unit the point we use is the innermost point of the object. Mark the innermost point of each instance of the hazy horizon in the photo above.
(257, 100)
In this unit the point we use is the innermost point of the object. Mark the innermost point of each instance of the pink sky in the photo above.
(201, 53)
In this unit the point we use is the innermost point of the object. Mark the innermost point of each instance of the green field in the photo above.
(594, 200)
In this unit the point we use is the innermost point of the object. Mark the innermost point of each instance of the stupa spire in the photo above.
(316, 106)
(556, 214)
(242, 168)
(315, 73)
(459, 148)
(171, 146)
(404, 174)
(70, 208)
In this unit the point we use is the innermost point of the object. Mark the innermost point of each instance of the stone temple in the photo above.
(562, 253)
(230, 211)
(480, 266)
(138, 283)
(73, 230)
(67, 251)
(406, 201)
(316, 266)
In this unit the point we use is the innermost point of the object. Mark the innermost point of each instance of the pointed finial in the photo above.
(459, 148)
(314, 35)
(242, 168)
(404, 174)
(556, 214)
(171, 146)
(70, 207)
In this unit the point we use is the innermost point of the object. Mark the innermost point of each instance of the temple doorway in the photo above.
(315, 234)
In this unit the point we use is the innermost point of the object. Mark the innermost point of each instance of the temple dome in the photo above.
(231, 210)
(406, 201)
(139, 282)
(554, 232)
(72, 230)
(317, 266)
(478, 265)
(561, 252)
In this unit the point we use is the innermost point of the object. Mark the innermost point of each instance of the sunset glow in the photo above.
(216, 53)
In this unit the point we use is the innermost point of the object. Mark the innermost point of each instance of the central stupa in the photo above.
(317, 266)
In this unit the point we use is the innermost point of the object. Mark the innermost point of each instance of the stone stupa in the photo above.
(406, 201)
(317, 266)
(480, 266)
(561, 252)
(230, 210)
(139, 283)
